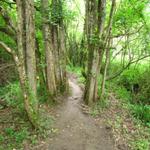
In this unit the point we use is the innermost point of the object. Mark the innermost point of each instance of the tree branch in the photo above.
(8, 2)
(5, 47)
(127, 34)
(8, 32)
(7, 19)
(4, 66)
(125, 67)
(10, 51)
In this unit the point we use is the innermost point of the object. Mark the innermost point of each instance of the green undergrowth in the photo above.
(138, 138)
(101, 105)
(15, 129)
(139, 101)
(11, 94)
(77, 71)
(134, 103)
(20, 133)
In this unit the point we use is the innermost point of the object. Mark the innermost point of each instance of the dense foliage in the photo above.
(106, 43)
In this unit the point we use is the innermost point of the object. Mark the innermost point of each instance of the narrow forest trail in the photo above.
(77, 131)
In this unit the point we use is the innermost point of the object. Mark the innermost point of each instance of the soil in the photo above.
(76, 130)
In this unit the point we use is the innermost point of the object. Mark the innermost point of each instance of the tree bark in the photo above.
(95, 55)
(107, 41)
(63, 54)
(30, 45)
(32, 115)
(27, 79)
(91, 25)
(50, 68)
(105, 70)
(59, 45)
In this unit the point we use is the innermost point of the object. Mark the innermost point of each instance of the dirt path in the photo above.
(77, 131)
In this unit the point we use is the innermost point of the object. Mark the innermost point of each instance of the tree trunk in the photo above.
(50, 68)
(107, 41)
(95, 55)
(30, 48)
(105, 70)
(32, 116)
(91, 25)
(62, 57)
(59, 46)
(55, 44)
(27, 80)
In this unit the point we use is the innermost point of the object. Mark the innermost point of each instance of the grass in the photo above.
(11, 94)
(16, 131)
(138, 137)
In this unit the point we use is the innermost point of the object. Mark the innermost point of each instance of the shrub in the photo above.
(129, 78)
(12, 94)
(138, 100)
(136, 81)
(141, 144)
(141, 112)
(144, 82)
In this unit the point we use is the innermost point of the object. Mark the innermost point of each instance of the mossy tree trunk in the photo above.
(97, 44)
(50, 67)
(107, 43)
(95, 20)
(26, 63)
(59, 45)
